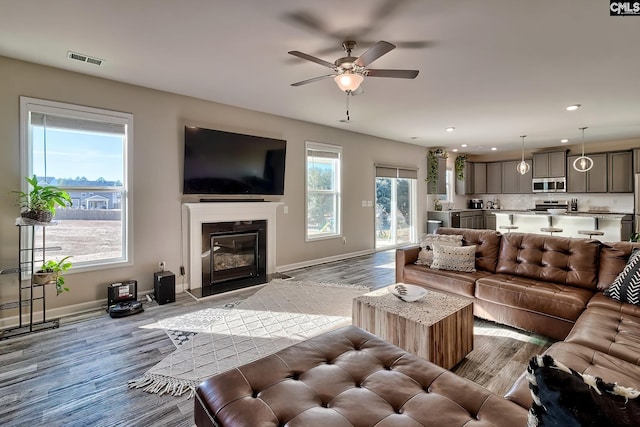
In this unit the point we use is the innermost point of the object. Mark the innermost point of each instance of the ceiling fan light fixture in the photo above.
(523, 167)
(348, 81)
(583, 163)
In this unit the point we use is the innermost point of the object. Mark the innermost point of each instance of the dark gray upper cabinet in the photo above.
(636, 160)
(592, 181)
(494, 178)
(550, 165)
(620, 166)
(513, 182)
(465, 185)
(440, 185)
(480, 178)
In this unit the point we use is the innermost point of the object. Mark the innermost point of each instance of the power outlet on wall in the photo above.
(162, 265)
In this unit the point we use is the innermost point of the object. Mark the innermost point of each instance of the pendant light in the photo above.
(583, 163)
(522, 167)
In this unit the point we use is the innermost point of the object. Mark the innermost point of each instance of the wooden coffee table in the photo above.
(438, 327)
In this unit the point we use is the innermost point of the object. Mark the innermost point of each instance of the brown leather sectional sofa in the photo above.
(348, 377)
(549, 285)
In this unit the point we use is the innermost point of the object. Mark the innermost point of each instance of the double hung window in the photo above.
(323, 178)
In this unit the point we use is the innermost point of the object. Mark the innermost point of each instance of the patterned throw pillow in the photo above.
(454, 258)
(626, 287)
(425, 257)
(564, 397)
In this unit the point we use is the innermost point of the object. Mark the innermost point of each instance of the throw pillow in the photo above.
(626, 287)
(425, 257)
(454, 258)
(564, 397)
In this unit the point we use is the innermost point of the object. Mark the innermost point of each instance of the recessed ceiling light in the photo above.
(573, 107)
(464, 145)
(450, 129)
(455, 150)
(564, 140)
(494, 148)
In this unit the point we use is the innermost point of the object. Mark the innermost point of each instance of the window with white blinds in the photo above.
(87, 152)
(323, 190)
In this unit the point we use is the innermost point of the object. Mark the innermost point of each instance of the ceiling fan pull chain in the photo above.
(348, 118)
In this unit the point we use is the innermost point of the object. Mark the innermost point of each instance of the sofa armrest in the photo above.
(404, 256)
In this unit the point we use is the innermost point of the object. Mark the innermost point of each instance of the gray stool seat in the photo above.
(551, 230)
(591, 233)
(509, 227)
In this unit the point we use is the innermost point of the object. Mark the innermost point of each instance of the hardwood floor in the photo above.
(77, 375)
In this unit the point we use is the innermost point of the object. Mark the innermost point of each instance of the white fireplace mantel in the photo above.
(196, 214)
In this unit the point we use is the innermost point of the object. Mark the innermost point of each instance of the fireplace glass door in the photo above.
(234, 255)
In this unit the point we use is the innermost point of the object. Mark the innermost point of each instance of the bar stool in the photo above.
(591, 233)
(551, 230)
(510, 226)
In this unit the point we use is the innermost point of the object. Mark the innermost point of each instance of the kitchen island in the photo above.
(615, 226)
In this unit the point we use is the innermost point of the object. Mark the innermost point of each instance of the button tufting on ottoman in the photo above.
(348, 377)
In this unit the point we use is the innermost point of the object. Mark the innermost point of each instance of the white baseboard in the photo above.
(310, 263)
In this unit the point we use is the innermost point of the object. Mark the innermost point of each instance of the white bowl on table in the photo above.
(408, 293)
(556, 211)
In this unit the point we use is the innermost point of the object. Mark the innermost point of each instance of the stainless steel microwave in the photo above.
(549, 185)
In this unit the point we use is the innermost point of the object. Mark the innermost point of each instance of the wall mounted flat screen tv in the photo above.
(218, 162)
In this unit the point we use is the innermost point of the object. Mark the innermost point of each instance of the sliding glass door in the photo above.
(395, 207)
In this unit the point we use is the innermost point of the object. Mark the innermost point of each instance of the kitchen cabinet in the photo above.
(480, 178)
(513, 182)
(439, 186)
(550, 165)
(636, 160)
(465, 185)
(592, 181)
(472, 219)
(448, 218)
(489, 220)
(620, 166)
(494, 178)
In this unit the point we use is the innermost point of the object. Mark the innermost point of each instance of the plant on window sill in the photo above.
(461, 160)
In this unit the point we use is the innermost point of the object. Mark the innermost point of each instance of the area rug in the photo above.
(215, 340)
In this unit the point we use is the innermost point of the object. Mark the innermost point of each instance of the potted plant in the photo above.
(461, 160)
(51, 271)
(39, 204)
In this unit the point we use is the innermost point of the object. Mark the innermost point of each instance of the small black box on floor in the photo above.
(164, 285)
(122, 299)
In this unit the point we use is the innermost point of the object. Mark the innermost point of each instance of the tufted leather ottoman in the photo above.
(348, 377)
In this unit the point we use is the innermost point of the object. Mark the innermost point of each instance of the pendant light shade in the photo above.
(522, 167)
(348, 81)
(583, 163)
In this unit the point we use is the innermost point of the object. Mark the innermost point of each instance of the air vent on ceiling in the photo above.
(84, 58)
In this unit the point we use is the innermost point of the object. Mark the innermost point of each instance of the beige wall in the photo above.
(159, 118)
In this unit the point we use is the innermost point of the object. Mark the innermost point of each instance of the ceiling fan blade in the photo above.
(374, 52)
(315, 79)
(312, 58)
(398, 74)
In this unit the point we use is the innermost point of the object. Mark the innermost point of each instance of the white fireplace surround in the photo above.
(196, 214)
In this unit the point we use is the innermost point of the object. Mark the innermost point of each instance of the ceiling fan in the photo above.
(350, 71)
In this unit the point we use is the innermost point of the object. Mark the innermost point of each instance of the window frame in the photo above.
(28, 105)
(331, 148)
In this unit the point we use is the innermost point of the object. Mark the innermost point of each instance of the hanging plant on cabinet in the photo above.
(432, 163)
(461, 160)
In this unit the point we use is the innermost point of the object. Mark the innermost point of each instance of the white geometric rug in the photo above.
(215, 340)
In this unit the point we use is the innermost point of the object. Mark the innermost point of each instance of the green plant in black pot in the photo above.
(52, 271)
(39, 203)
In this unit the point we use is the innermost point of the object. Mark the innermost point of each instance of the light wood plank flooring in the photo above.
(77, 375)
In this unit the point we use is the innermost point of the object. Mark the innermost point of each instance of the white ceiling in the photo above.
(493, 69)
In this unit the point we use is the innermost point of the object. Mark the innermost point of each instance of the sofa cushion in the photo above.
(599, 300)
(487, 244)
(454, 282)
(454, 258)
(608, 331)
(427, 241)
(626, 286)
(613, 259)
(560, 301)
(347, 377)
(561, 260)
(564, 397)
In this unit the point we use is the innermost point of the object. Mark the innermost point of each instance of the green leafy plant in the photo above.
(40, 202)
(56, 268)
(432, 164)
(459, 165)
